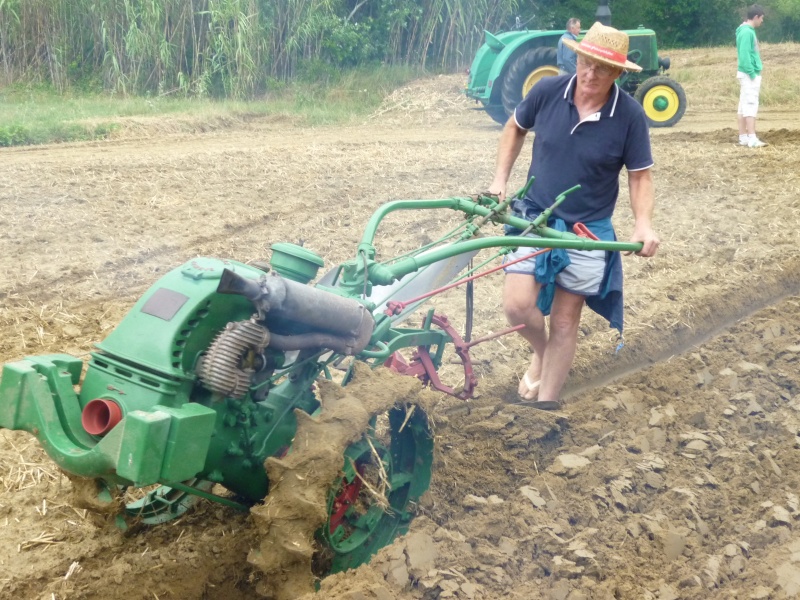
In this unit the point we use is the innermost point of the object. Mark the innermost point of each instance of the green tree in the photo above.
(683, 23)
(781, 21)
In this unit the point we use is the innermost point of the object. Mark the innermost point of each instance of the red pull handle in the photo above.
(582, 230)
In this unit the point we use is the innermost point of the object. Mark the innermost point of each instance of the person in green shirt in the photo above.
(749, 76)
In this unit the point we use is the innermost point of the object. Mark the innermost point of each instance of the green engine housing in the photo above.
(171, 427)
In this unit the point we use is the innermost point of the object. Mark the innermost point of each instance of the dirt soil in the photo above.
(672, 472)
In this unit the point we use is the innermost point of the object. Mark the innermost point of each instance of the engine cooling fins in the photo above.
(225, 368)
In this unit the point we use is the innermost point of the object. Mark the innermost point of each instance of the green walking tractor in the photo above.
(230, 382)
(508, 65)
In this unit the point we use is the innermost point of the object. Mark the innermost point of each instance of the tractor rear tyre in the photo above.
(526, 71)
(663, 100)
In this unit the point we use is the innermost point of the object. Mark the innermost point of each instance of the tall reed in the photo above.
(232, 48)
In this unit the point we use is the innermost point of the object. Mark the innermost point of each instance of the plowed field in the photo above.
(673, 470)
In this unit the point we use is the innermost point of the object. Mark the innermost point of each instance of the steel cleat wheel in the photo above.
(383, 476)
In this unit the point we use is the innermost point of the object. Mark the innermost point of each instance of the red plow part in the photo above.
(422, 367)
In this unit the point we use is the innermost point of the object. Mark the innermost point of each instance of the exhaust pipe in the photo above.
(233, 283)
(603, 13)
(341, 324)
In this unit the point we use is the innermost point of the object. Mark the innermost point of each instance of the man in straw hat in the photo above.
(586, 129)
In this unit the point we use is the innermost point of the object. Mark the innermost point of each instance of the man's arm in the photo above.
(640, 186)
(508, 150)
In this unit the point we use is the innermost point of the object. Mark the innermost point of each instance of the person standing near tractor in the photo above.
(566, 57)
(748, 72)
(586, 130)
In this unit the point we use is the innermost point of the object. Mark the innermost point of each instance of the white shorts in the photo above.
(748, 94)
(582, 276)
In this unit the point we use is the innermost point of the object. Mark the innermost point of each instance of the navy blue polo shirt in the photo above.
(591, 153)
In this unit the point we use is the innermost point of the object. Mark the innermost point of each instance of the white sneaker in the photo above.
(756, 143)
(744, 142)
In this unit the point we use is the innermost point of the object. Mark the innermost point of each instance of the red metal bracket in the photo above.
(346, 498)
(583, 231)
(422, 367)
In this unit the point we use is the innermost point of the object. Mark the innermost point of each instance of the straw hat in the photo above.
(605, 45)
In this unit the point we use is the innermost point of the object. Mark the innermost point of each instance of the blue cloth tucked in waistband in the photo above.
(608, 303)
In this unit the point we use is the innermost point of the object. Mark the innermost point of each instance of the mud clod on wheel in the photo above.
(297, 505)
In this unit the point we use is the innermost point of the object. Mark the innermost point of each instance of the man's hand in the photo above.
(648, 238)
(497, 189)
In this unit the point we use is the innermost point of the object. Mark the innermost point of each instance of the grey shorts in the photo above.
(583, 275)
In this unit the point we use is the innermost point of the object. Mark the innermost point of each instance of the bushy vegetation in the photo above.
(323, 61)
(682, 23)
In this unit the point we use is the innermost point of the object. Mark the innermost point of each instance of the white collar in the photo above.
(613, 105)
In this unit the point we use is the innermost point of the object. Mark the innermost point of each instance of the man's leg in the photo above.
(749, 108)
(565, 316)
(744, 81)
(520, 292)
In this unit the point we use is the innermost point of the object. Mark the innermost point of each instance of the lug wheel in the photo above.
(127, 507)
(349, 484)
(525, 72)
(663, 100)
(384, 474)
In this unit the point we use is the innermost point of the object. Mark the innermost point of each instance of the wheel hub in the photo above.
(350, 524)
(661, 104)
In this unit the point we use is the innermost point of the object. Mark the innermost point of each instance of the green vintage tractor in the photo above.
(508, 65)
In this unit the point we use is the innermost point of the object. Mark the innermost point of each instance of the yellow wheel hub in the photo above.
(536, 75)
(661, 103)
